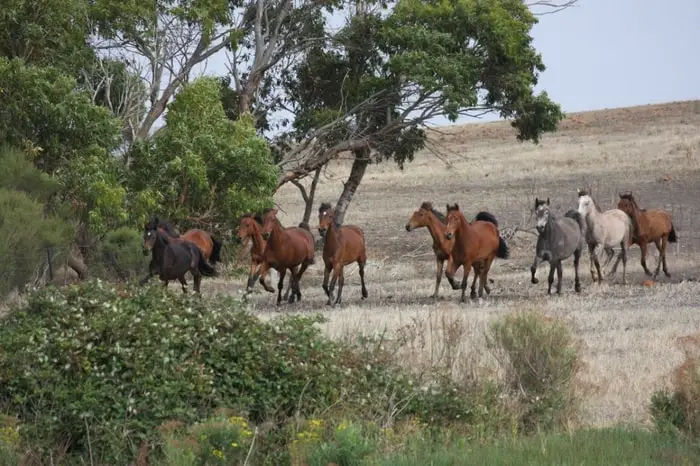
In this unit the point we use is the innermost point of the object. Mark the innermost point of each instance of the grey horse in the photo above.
(558, 239)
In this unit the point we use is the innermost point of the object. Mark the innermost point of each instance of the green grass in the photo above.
(589, 447)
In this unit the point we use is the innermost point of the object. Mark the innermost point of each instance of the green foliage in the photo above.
(202, 167)
(52, 33)
(25, 228)
(540, 361)
(119, 256)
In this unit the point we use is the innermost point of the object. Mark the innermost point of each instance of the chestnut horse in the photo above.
(650, 225)
(434, 221)
(342, 245)
(250, 227)
(475, 242)
(286, 248)
(210, 246)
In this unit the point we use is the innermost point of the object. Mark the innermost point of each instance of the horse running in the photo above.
(286, 248)
(607, 229)
(430, 218)
(172, 260)
(652, 225)
(210, 246)
(558, 239)
(342, 245)
(474, 242)
(250, 227)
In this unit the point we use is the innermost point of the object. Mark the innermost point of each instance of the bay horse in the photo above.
(473, 242)
(650, 225)
(607, 229)
(558, 238)
(210, 246)
(172, 260)
(286, 248)
(250, 228)
(432, 219)
(342, 245)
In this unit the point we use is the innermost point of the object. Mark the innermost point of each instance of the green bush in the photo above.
(540, 361)
(119, 256)
(94, 361)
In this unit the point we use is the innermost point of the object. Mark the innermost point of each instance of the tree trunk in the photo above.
(308, 210)
(77, 264)
(359, 165)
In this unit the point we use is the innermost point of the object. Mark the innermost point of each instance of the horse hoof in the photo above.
(472, 295)
(577, 288)
(535, 281)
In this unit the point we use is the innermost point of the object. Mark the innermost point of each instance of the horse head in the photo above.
(269, 218)
(541, 214)
(325, 217)
(453, 220)
(420, 217)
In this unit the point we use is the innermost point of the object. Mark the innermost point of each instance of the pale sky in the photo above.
(611, 53)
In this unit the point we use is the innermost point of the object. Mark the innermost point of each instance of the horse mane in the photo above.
(324, 207)
(633, 218)
(631, 198)
(429, 206)
(156, 223)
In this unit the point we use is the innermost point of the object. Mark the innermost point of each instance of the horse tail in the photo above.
(486, 217)
(204, 267)
(672, 237)
(576, 215)
(215, 250)
(503, 250)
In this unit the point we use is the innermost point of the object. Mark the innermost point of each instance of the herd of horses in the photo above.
(470, 245)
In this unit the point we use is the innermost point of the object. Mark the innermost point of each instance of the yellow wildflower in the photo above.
(218, 453)
(316, 423)
(342, 426)
(234, 444)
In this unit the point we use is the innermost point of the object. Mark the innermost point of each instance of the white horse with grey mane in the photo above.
(606, 229)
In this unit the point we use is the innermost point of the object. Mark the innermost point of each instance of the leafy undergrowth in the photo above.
(111, 375)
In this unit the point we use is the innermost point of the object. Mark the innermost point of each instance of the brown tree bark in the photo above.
(357, 172)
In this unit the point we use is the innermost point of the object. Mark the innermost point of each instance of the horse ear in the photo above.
(447, 207)
(258, 219)
(547, 201)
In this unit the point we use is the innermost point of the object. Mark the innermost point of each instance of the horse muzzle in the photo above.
(145, 251)
(322, 232)
(408, 227)
(265, 235)
(539, 229)
(448, 235)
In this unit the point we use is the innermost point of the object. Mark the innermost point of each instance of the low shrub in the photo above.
(119, 256)
(540, 361)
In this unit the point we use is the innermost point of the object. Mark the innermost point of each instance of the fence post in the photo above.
(48, 258)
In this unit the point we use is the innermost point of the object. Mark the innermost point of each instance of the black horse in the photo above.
(172, 258)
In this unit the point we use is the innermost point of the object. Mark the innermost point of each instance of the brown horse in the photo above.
(476, 242)
(286, 248)
(250, 227)
(210, 246)
(428, 217)
(652, 225)
(342, 245)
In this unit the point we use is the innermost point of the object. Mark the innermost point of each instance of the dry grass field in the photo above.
(628, 332)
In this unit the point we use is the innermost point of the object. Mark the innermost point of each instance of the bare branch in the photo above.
(552, 7)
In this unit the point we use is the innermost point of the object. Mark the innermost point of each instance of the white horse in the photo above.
(607, 229)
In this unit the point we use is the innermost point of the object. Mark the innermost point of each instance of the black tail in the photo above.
(486, 217)
(206, 269)
(503, 251)
(574, 214)
(672, 238)
(215, 251)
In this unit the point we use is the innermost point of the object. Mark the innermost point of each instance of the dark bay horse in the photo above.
(286, 248)
(172, 260)
(250, 228)
(210, 246)
(650, 225)
(342, 245)
(430, 218)
(474, 242)
(558, 238)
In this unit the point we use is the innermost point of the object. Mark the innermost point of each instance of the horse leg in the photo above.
(550, 279)
(596, 262)
(643, 250)
(483, 279)
(361, 265)
(592, 256)
(450, 273)
(326, 276)
(662, 254)
(280, 284)
(577, 282)
(477, 274)
(197, 279)
(337, 268)
(560, 272)
(610, 252)
(341, 282)
(251, 274)
(623, 253)
(438, 276)
(465, 279)
(183, 282)
(657, 242)
(297, 273)
(533, 270)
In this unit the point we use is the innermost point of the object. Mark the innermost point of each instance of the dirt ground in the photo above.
(628, 332)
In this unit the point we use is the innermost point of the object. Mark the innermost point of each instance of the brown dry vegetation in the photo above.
(628, 332)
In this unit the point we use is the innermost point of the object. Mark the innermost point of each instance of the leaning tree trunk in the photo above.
(309, 200)
(359, 166)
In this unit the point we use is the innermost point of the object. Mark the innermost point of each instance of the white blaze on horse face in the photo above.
(584, 204)
(542, 217)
